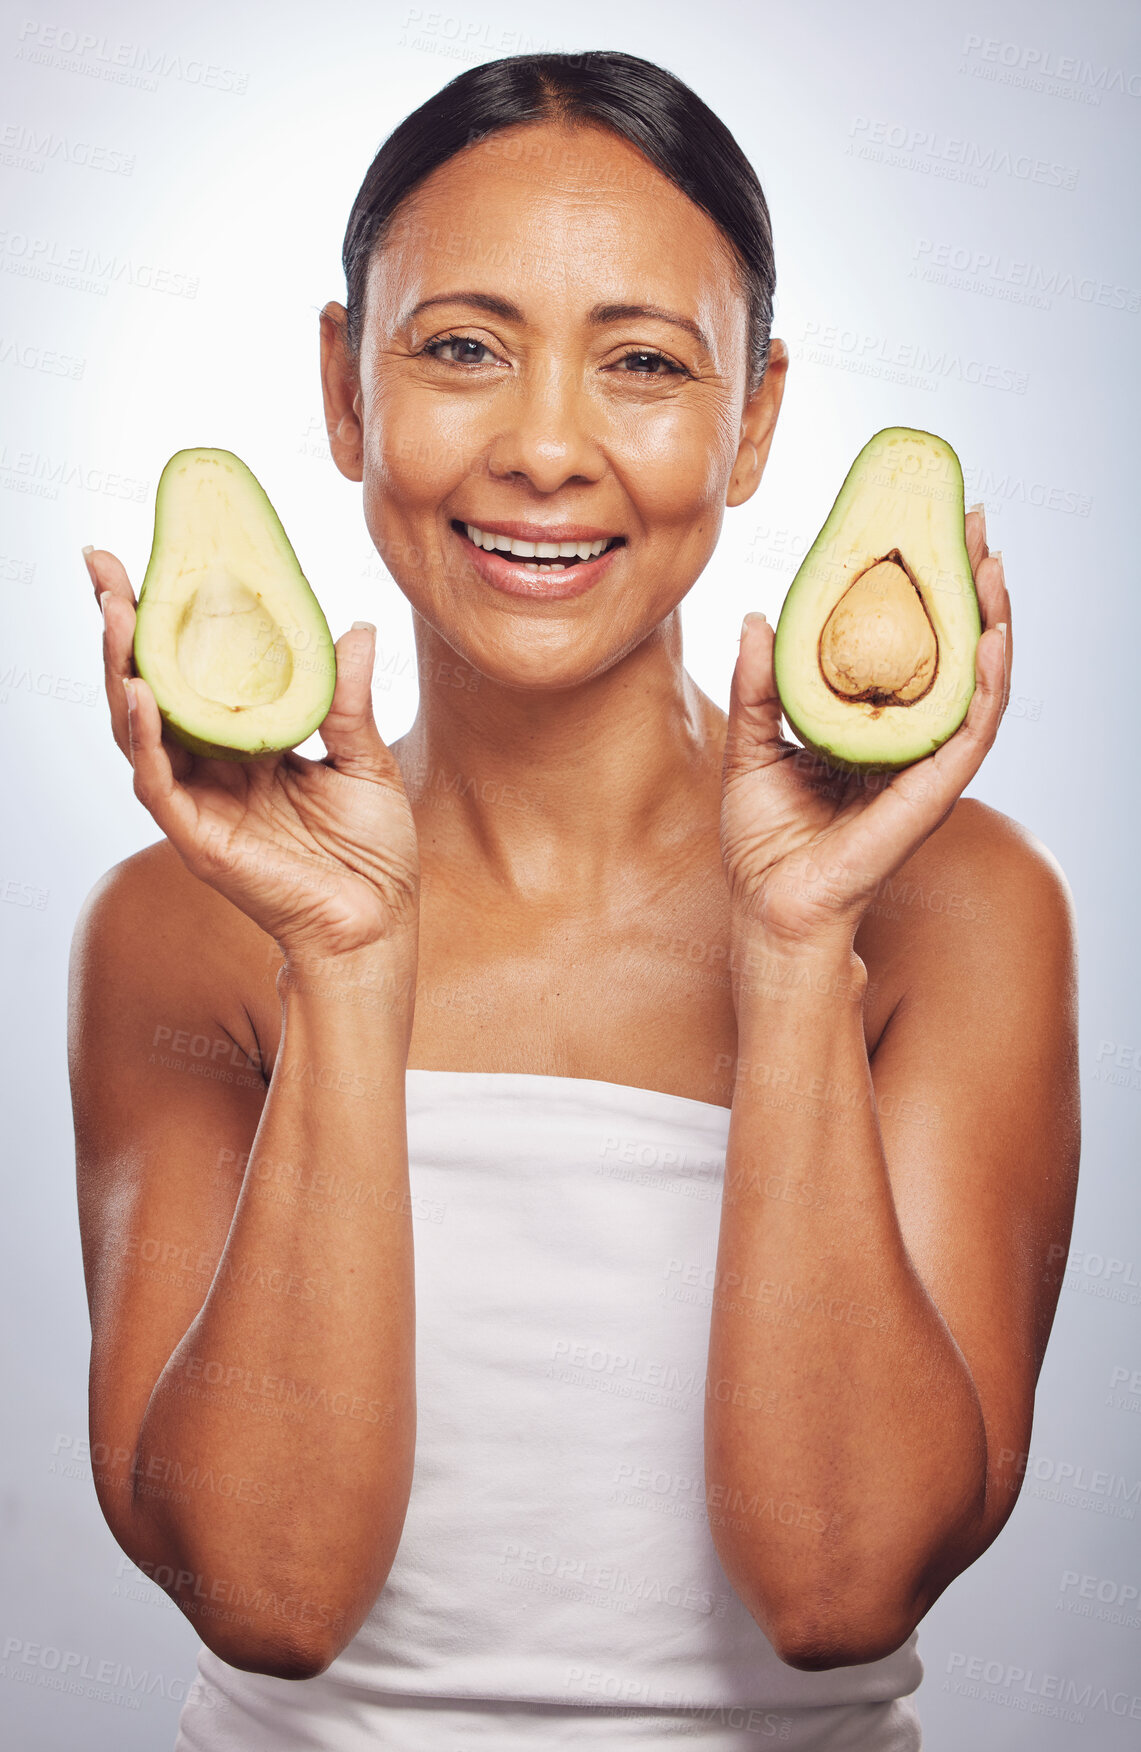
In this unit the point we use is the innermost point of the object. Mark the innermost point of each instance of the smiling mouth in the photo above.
(537, 556)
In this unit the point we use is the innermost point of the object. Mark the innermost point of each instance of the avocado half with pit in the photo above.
(875, 647)
(228, 634)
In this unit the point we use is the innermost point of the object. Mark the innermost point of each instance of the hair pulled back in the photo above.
(642, 103)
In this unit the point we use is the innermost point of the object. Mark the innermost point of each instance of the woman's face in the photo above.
(553, 347)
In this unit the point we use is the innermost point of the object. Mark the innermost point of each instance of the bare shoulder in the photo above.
(992, 850)
(167, 1096)
(150, 933)
(167, 1087)
(981, 882)
(153, 892)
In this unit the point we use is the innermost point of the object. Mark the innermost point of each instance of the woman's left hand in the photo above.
(805, 847)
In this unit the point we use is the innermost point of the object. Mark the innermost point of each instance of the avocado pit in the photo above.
(874, 656)
(878, 644)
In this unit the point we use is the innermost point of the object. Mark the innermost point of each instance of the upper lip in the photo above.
(542, 531)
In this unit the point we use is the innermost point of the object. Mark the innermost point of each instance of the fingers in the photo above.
(155, 784)
(990, 585)
(974, 524)
(894, 823)
(988, 701)
(994, 604)
(960, 757)
(753, 735)
(117, 602)
(108, 573)
(994, 601)
(921, 796)
(349, 729)
(118, 661)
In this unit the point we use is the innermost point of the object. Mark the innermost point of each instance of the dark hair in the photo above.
(652, 109)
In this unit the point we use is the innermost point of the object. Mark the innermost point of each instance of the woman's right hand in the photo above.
(322, 854)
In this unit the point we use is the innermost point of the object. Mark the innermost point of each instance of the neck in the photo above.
(563, 791)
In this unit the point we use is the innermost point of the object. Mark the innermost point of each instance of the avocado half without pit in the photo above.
(875, 647)
(228, 634)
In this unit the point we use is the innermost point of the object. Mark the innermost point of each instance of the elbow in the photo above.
(292, 1628)
(279, 1657)
(814, 1642)
(825, 1619)
(279, 1633)
(305, 1662)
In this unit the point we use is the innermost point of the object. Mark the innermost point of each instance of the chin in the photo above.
(538, 659)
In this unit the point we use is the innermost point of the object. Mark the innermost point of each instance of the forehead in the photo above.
(545, 209)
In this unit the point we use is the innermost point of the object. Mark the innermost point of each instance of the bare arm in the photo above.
(252, 1391)
(252, 1383)
(886, 1222)
(881, 1261)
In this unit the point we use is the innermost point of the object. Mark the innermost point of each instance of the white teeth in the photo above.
(535, 550)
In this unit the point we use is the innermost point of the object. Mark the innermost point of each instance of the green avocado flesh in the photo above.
(875, 647)
(228, 634)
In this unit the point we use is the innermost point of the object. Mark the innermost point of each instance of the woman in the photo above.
(729, 1108)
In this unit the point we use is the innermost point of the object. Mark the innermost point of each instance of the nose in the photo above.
(548, 437)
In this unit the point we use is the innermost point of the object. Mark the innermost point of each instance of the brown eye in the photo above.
(648, 363)
(459, 343)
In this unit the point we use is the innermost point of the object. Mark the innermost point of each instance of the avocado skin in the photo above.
(273, 527)
(837, 760)
(952, 545)
(213, 750)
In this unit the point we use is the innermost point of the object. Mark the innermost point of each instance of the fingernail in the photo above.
(103, 595)
(129, 690)
(979, 507)
(87, 553)
(356, 626)
(996, 554)
(753, 615)
(1001, 627)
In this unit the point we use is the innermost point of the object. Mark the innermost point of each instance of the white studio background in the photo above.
(954, 203)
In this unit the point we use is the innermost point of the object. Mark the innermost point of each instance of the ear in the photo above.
(758, 423)
(340, 382)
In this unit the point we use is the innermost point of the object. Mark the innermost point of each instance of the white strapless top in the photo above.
(556, 1575)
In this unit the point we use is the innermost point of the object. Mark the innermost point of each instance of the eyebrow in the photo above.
(600, 315)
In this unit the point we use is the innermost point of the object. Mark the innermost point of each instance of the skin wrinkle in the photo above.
(594, 689)
(566, 824)
(548, 433)
(629, 171)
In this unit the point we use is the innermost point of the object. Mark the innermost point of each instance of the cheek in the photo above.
(416, 447)
(679, 461)
(401, 467)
